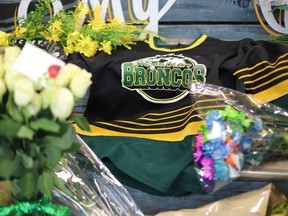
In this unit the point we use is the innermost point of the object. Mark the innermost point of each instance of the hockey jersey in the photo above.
(143, 119)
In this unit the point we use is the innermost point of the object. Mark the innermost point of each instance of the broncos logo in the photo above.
(162, 78)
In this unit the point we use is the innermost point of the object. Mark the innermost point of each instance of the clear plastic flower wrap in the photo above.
(237, 130)
(90, 189)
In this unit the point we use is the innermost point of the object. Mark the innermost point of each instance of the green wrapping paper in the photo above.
(42, 205)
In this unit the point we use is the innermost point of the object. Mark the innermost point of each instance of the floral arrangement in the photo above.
(229, 140)
(35, 131)
(79, 31)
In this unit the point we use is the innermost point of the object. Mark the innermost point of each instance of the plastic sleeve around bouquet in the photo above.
(90, 188)
(237, 130)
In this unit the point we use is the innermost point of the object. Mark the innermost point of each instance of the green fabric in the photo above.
(155, 167)
(281, 102)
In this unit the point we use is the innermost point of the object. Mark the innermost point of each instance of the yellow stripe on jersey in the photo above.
(266, 83)
(173, 113)
(190, 129)
(273, 64)
(265, 72)
(274, 92)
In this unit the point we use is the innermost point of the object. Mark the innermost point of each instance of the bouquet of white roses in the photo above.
(37, 97)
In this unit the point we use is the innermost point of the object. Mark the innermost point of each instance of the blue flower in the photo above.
(258, 125)
(214, 115)
(208, 148)
(246, 143)
(221, 170)
(219, 152)
(237, 135)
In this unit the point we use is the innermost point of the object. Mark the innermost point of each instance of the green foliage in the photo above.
(80, 121)
(281, 209)
(30, 152)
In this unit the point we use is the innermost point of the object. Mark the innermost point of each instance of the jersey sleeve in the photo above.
(262, 69)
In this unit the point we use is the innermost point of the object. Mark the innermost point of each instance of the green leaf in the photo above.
(50, 140)
(34, 149)
(60, 184)
(13, 109)
(46, 183)
(26, 160)
(8, 162)
(45, 124)
(280, 7)
(25, 133)
(68, 137)
(73, 148)
(80, 121)
(53, 156)
(9, 128)
(28, 183)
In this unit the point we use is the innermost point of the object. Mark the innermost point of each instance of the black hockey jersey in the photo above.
(142, 116)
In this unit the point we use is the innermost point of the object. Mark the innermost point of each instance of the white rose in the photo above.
(66, 73)
(35, 106)
(11, 54)
(24, 91)
(80, 83)
(2, 69)
(2, 89)
(62, 103)
(10, 78)
(47, 94)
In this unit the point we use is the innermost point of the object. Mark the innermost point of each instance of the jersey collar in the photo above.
(157, 44)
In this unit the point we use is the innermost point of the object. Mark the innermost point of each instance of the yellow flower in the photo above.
(73, 37)
(87, 46)
(97, 25)
(19, 31)
(115, 20)
(117, 25)
(80, 14)
(106, 47)
(69, 49)
(56, 26)
(51, 36)
(56, 35)
(97, 12)
(54, 31)
(4, 39)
